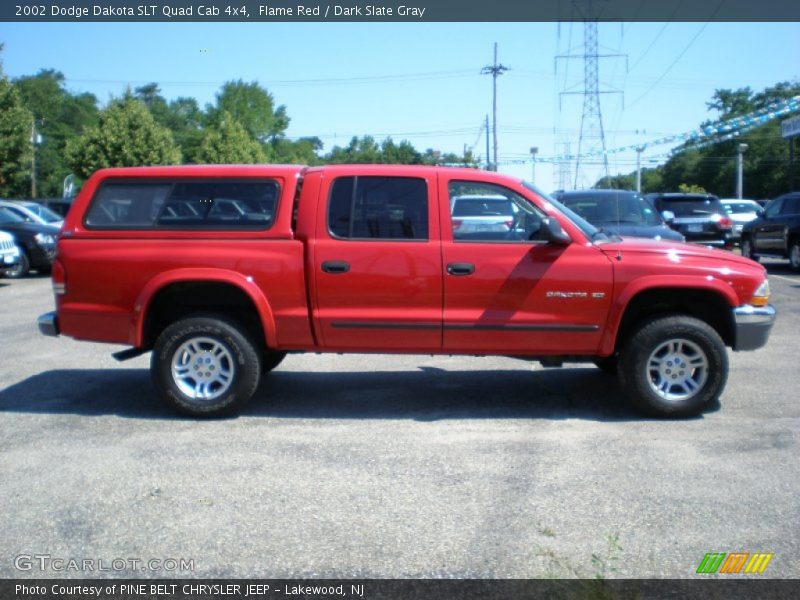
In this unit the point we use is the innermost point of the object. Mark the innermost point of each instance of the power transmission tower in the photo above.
(494, 70)
(563, 173)
(592, 140)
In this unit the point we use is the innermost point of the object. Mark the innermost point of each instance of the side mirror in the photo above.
(554, 233)
(760, 213)
(668, 216)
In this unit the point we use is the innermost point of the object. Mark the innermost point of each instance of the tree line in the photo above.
(766, 172)
(74, 136)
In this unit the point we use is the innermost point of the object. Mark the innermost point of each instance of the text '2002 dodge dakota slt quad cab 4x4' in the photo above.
(222, 270)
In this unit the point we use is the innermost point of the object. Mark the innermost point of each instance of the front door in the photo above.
(506, 289)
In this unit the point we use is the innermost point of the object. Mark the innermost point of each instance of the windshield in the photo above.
(689, 207)
(9, 216)
(45, 213)
(589, 230)
(623, 208)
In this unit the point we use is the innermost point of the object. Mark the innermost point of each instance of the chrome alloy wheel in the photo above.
(203, 369)
(677, 369)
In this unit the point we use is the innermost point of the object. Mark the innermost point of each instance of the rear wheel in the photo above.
(748, 251)
(794, 254)
(205, 366)
(674, 366)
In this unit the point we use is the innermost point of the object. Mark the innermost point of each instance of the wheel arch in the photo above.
(708, 300)
(175, 293)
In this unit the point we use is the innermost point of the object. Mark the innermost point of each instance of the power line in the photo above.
(297, 82)
(684, 51)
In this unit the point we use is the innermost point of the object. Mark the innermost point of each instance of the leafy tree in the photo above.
(253, 107)
(303, 151)
(126, 136)
(228, 143)
(15, 145)
(691, 189)
(60, 116)
(713, 167)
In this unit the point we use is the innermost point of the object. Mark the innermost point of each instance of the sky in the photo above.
(422, 81)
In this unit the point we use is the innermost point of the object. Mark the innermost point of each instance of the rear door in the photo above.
(377, 264)
(511, 291)
(768, 230)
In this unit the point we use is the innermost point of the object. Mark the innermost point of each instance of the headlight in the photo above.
(44, 240)
(761, 295)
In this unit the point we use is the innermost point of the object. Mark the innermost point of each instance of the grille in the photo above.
(6, 245)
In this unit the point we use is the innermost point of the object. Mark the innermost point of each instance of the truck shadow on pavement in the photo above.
(425, 394)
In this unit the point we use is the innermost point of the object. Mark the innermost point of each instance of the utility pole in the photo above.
(639, 168)
(739, 169)
(488, 156)
(534, 152)
(33, 158)
(494, 70)
(36, 139)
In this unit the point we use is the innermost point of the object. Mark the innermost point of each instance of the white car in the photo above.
(33, 212)
(740, 211)
(473, 214)
(9, 252)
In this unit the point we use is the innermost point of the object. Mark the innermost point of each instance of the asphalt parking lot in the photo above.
(392, 466)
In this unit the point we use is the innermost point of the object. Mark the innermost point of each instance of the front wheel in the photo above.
(205, 366)
(21, 269)
(674, 367)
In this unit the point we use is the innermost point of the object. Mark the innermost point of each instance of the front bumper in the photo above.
(753, 324)
(48, 324)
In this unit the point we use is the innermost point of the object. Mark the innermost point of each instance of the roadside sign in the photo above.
(790, 128)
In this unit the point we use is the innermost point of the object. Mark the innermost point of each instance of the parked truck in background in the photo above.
(222, 270)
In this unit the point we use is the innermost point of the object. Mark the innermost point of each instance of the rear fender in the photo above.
(205, 275)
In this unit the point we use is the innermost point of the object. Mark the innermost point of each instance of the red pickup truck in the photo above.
(222, 270)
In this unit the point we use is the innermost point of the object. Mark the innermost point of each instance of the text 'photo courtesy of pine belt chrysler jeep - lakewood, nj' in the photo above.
(220, 271)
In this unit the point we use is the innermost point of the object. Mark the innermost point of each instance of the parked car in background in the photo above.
(776, 231)
(60, 206)
(9, 253)
(33, 212)
(740, 211)
(36, 242)
(481, 214)
(622, 212)
(699, 217)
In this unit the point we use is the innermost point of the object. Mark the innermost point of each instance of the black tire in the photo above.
(748, 250)
(22, 269)
(205, 354)
(794, 254)
(685, 341)
(607, 364)
(271, 360)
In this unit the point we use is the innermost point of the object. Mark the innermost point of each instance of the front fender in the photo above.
(654, 282)
(205, 275)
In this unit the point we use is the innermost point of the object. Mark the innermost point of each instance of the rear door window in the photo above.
(184, 204)
(370, 207)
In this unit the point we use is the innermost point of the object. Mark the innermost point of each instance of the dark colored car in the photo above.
(37, 243)
(776, 231)
(619, 211)
(700, 218)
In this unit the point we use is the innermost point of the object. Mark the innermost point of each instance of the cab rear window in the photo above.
(184, 204)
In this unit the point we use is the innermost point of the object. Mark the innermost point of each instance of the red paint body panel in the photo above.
(531, 298)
